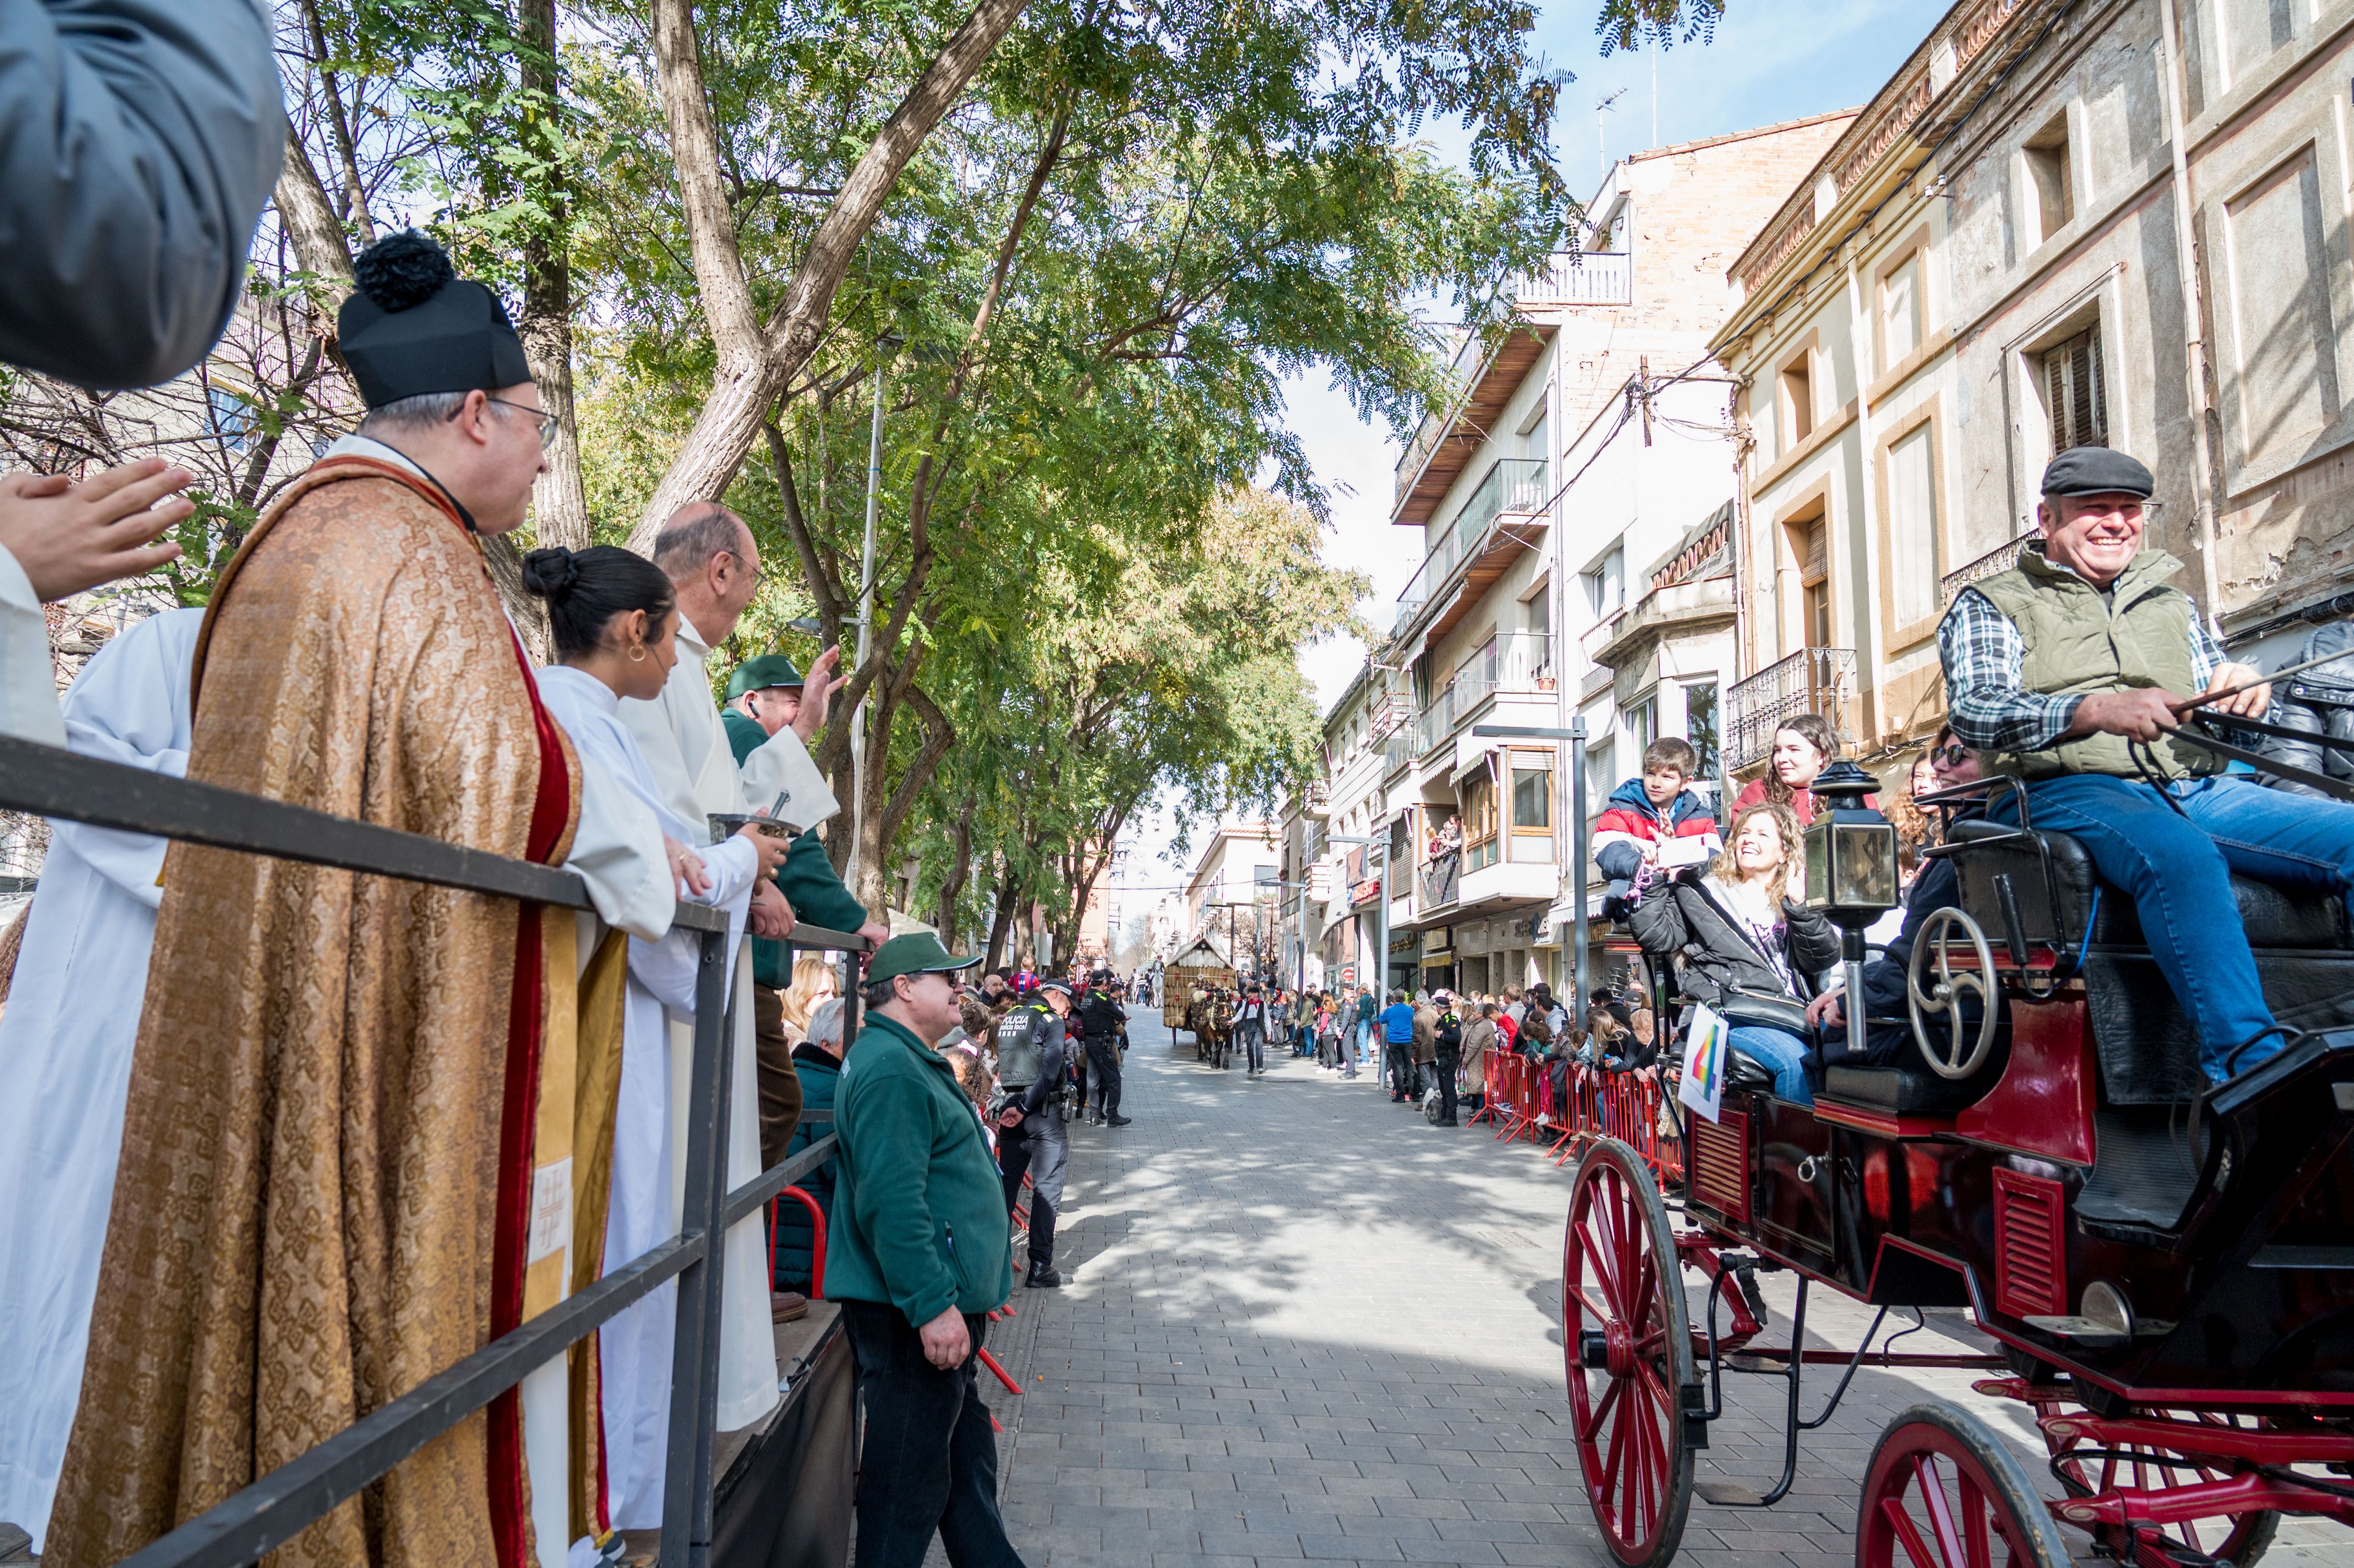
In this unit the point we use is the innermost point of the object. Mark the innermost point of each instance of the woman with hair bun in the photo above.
(613, 617)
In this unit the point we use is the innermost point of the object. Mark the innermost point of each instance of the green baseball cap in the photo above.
(760, 674)
(916, 953)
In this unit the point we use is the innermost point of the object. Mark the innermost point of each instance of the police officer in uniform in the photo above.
(1032, 1137)
(1103, 1028)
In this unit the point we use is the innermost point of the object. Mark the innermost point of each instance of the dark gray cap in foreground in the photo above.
(2096, 470)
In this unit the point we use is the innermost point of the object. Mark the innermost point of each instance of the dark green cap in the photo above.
(916, 953)
(758, 675)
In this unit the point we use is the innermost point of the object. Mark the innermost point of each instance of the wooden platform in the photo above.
(782, 1498)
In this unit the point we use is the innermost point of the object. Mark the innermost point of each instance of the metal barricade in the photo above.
(50, 782)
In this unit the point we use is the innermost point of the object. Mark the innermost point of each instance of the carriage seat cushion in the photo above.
(2272, 917)
(1911, 1090)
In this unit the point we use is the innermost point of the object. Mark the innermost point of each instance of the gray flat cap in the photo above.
(2096, 470)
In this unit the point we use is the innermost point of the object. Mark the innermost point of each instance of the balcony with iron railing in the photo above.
(1813, 680)
(1511, 487)
(1993, 562)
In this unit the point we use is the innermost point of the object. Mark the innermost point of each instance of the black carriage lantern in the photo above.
(1850, 873)
(1851, 850)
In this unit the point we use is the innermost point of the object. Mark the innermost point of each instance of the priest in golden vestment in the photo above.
(351, 1098)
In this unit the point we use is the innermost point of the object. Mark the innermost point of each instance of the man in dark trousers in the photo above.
(1103, 1028)
(918, 1257)
(1033, 1051)
(1397, 1047)
(1446, 1041)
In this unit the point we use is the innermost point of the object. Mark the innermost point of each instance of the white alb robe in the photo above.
(66, 1041)
(28, 680)
(648, 1187)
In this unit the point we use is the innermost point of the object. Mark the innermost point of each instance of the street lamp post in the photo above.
(865, 623)
(1575, 735)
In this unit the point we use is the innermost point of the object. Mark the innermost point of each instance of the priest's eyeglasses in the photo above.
(548, 423)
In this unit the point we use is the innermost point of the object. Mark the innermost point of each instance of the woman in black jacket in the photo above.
(1751, 951)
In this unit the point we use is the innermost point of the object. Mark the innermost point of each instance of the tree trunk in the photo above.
(959, 868)
(313, 228)
(748, 378)
(559, 500)
(1000, 922)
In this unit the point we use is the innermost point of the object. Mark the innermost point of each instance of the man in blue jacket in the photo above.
(920, 1251)
(1397, 1047)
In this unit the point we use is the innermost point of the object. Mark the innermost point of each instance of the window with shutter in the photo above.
(2073, 394)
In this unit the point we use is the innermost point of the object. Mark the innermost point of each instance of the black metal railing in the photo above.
(273, 1510)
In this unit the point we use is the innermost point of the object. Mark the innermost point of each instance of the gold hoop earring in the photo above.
(637, 653)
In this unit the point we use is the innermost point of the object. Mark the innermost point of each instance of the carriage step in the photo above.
(1729, 1494)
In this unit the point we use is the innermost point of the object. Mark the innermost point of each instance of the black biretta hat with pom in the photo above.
(413, 326)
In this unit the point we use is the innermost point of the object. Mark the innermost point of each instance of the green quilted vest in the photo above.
(2076, 644)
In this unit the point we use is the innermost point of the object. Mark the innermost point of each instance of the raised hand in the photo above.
(69, 536)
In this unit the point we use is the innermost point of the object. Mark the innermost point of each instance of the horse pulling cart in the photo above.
(2168, 1266)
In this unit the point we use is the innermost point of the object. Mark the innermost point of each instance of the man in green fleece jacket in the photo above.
(764, 695)
(920, 1250)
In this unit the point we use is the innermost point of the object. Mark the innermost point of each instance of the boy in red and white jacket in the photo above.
(1645, 814)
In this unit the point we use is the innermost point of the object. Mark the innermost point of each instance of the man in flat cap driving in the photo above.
(2064, 672)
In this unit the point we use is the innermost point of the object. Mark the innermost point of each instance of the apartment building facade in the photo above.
(1987, 268)
(1585, 452)
(1234, 889)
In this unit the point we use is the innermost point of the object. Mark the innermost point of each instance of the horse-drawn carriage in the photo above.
(1196, 985)
(2167, 1266)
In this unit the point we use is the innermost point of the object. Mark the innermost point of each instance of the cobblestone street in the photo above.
(1299, 1324)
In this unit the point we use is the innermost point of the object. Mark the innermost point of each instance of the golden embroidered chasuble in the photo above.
(340, 1100)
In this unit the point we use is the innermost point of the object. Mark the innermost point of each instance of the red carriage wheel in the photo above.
(2087, 1467)
(1628, 1349)
(1944, 1492)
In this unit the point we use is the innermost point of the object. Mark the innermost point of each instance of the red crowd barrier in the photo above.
(1522, 1102)
(817, 1240)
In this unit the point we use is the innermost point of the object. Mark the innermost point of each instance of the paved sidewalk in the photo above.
(1301, 1325)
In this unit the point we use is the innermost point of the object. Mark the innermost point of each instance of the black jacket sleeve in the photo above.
(1051, 1068)
(139, 139)
(1658, 921)
(1814, 941)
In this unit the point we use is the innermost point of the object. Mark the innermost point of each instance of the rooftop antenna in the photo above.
(1651, 48)
(1600, 104)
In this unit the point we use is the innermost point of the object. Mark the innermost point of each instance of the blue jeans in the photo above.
(1780, 1050)
(2176, 866)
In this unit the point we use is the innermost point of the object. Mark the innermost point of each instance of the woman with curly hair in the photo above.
(1752, 948)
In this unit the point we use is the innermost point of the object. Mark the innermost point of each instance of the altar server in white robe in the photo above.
(713, 564)
(72, 1018)
(614, 621)
(65, 1055)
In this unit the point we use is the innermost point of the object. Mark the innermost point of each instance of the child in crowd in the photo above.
(1645, 815)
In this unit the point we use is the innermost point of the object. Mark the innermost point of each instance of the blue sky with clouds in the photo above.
(1771, 61)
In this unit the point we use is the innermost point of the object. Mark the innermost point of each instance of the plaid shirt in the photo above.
(1988, 706)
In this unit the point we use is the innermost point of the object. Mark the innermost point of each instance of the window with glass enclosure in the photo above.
(1700, 724)
(1606, 584)
(1531, 808)
(1479, 822)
